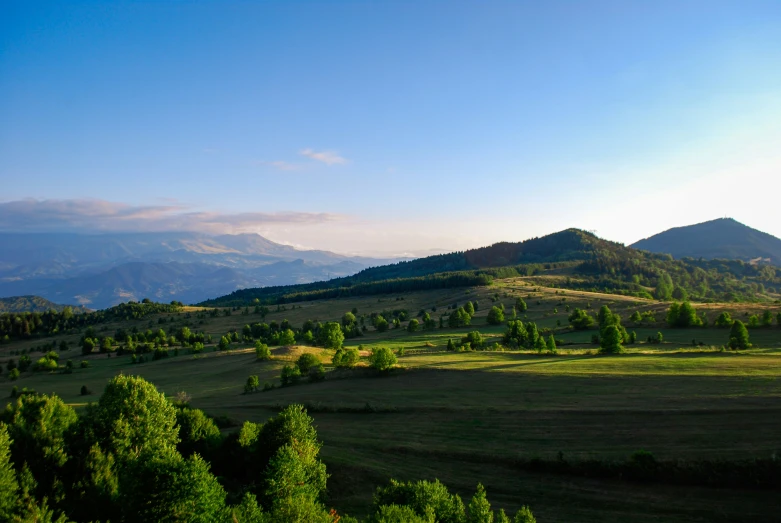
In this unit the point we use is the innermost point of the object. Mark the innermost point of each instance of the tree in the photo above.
(306, 361)
(683, 315)
(132, 417)
(459, 318)
(610, 340)
(8, 484)
(473, 339)
(197, 431)
(291, 375)
(252, 384)
(381, 324)
(346, 358)
(520, 305)
(552, 345)
(397, 514)
(738, 336)
(87, 346)
(348, 319)
(664, 287)
(225, 343)
(331, 335)
(262, 352)
(580, 320)
(167, 487)
(287, 337)
(636, 317)
(495, 316)
(767, 318)
(679, 293)
(515, 333)
(413, 325)
(724, 320)
(382, 359)
(480, 508)
(425, 498)
(524, 515)
(778, 319)
(469, 308)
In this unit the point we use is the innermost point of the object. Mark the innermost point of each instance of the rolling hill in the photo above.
(724, 238)
(584, 261)
(16, 304)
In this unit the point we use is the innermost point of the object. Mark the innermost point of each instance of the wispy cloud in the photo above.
(89, 215)
(326, 157)
(283, 165)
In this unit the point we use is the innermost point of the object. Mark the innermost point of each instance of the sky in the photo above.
(389, 127)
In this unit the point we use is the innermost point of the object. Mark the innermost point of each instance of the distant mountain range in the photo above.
(102, 270)
(723, 238)
(32, 304)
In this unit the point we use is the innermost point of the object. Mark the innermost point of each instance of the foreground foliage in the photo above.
(137, 456)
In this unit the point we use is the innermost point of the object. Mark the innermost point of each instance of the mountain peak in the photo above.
(720, 238)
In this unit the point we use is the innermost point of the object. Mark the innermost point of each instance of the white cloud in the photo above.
(90, 215)
(326, 157)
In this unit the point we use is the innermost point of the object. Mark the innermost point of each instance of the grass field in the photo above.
(468, 417)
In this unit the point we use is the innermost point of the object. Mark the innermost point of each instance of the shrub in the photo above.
(316, 373)
(85, 391)
(84, 364)
(252, 384)
(580, 320)
(495, 316)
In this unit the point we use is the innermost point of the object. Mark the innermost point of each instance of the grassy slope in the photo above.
(461, 417)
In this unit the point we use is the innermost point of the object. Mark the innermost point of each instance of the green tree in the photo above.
(495, 316)
(767, 319)
(552, 345)
(431, 499)
(87, 346)
(381, 324)
(524, 515)
(611, 340)
(132, 417)
(252, 384)
(469, 308)
(38, 425)
(738, 336)
(291, 375)
(224, 343)
(398, 514)
(306, 361)
(474, 339)
(346, 358)
(348, 319)
(580, 320)
(288, 337)
(753, 321)
(413, 325)
(520, 305)
(459, 318)
(382, 359)
(262, 352)
(664, 287)
(679, 293)
(167, 487)
(198, 432)
(480, 508)
(636, 317)
(8, 484)
(724, 320)
(331, 335)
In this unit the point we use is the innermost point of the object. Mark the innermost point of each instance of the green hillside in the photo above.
(15, 304)
(590, 262)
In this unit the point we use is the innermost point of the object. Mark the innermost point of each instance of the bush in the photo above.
(495, 316)
(346, 358)
(382, 359)
(85, 391)
(252, 384)
(262, 352)
(580, 320)
(84, 364)
(13, 375)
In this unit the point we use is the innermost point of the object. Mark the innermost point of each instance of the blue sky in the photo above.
(390, 127)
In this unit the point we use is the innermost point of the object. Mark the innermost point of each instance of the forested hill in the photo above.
(592, 264)
(33, 304)
(723, 238)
